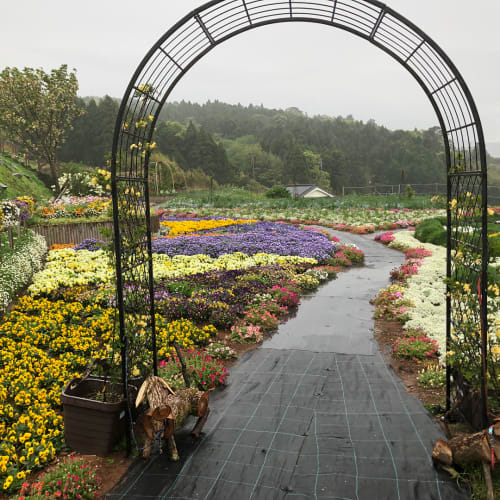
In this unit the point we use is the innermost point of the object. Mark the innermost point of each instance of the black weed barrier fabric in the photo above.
(297, 425)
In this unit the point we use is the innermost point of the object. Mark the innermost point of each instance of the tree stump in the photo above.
(167, 412)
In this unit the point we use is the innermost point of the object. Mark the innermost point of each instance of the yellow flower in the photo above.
(8, 482)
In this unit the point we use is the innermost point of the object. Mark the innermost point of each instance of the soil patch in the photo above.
(386, 334)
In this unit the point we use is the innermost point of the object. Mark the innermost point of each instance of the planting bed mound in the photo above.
(386, 333)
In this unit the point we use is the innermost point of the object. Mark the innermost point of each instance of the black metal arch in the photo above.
(213, 23)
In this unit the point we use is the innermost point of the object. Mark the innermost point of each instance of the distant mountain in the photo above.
(493, 149)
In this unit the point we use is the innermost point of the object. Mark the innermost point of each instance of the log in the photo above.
(470, 448)
(199, 404)
(200, 424)
(490, 495)
(467, 448)
(442, 454)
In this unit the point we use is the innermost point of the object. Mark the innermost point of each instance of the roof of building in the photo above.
(304, 189)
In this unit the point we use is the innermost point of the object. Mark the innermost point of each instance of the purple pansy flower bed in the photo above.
(267, 237)
(90, 244)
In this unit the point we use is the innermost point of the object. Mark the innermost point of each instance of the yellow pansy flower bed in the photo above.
(177, 228)
(44, 344)
(184, 332)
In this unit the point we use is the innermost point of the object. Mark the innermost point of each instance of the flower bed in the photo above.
(204, 371)
(426, 289)
(357, 220)
(250, 239)
(203, 303)
(421, 305)
(74, 207)
(177, 227)
(67, 267)
(18, 266)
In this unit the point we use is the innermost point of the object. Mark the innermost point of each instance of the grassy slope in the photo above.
(20, 186)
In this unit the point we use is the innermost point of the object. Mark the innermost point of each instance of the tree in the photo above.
(36, 110)
(296, 168)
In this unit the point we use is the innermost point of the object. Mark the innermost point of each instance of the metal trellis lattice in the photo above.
(215, 22)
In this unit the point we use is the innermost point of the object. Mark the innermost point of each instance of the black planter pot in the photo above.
(92, 427)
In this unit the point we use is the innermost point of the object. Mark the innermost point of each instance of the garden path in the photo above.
(315, 413)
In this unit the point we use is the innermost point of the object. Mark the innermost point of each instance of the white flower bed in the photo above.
(17, 269)
(427, 290)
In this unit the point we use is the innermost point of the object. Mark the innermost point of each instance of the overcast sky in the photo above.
(313, 67)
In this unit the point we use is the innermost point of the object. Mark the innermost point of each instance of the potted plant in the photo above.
(94, 411)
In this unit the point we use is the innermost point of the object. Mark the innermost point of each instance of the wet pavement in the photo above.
(315, 413)
(339, 317)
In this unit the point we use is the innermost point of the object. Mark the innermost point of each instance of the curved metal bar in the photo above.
(214, 23)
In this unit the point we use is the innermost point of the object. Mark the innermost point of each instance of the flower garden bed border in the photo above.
(76, 232)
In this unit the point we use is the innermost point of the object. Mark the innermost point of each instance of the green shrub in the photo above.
(431, 231)
(278, 192)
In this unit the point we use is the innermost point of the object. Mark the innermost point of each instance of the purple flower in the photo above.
(267, 237)
(90, 244)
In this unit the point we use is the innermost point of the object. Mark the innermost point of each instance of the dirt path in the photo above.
(315, 413)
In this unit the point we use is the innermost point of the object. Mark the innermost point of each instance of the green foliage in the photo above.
(246, 145)
(352, 152)
(432, 376)
(91, 138)
(431, 231)
(473, 475)
(278, 191)
(410, 191)
(225, 197)
(26, 184)
(194, 148)
(253, 163)
(233, 197)
(182, 287)
(36, 109)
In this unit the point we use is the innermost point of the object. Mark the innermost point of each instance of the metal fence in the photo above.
(421, 189)
(386, 189)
